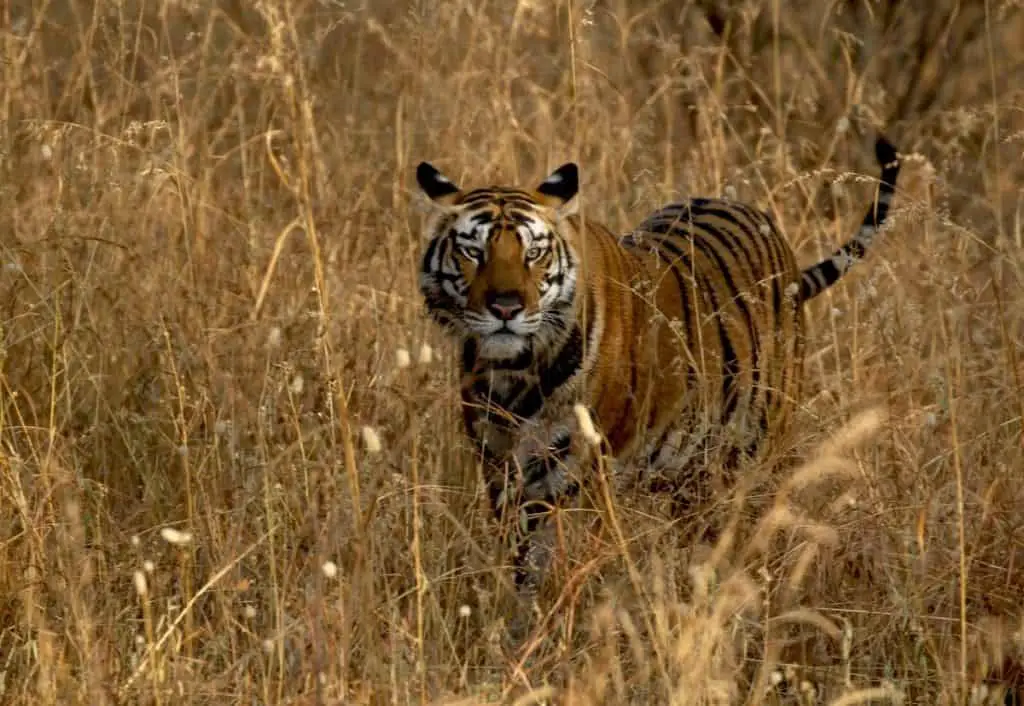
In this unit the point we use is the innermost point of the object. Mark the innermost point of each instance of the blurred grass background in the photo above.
(231, 463)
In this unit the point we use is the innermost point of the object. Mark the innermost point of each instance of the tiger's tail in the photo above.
(817, 278)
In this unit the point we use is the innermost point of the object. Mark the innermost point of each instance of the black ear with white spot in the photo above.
(562, 185)
(434, 184)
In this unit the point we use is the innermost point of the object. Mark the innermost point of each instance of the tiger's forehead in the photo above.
(483, 211)
(499, 197)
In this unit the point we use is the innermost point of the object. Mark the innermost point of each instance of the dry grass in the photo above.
(223, 481)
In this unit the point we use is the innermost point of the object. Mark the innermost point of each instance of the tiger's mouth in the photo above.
(504, 338)
(506, 327)
(484, 324)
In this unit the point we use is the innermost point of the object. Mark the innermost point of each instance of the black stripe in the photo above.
(730, 365)
(687, 307)
(743, 230)
(529, 402)
(534, 517)
(776, 264)
(817, 278)
(445, 276)
(524, 398)
(551, 377)
(730, 362)
(566, 364)
(809, 287)
(730, 369)
(469, 353)
(519, 216)
(539, 466)
(774, 246)
(482, 390)
(677, 256)
(429, 254)
(710, 235)
(659, 447)
(499, 197)
(521, 362)
(494, 491)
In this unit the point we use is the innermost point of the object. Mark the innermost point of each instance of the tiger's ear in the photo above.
(435, 185)
(559, 190)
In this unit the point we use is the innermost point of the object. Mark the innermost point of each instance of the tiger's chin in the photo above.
(502, 346)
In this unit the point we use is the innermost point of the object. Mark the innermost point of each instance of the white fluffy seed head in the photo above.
(402, 359)
(371, 439)
(249, 612)
(148, 566)
(274, 338)
(175, 537)
(465, 611)
(329, 569)
(586, 424)
(141, 587)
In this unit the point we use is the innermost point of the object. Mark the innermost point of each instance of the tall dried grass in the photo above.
(231, 465)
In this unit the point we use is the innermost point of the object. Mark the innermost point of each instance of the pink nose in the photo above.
(504, 305)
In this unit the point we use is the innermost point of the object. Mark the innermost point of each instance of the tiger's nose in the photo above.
(504, 305)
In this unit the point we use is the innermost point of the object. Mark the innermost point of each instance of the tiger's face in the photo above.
(497, 267)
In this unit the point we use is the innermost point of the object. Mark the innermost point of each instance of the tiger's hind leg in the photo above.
(705, 478)
(692, 465)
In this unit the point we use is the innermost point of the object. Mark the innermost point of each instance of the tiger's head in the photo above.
(497, 267)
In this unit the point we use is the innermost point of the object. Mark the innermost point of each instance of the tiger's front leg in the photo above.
(537, 477)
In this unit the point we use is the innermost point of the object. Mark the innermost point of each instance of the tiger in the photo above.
(682, 341)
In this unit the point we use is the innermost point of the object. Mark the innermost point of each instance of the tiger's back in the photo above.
(715, 341)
